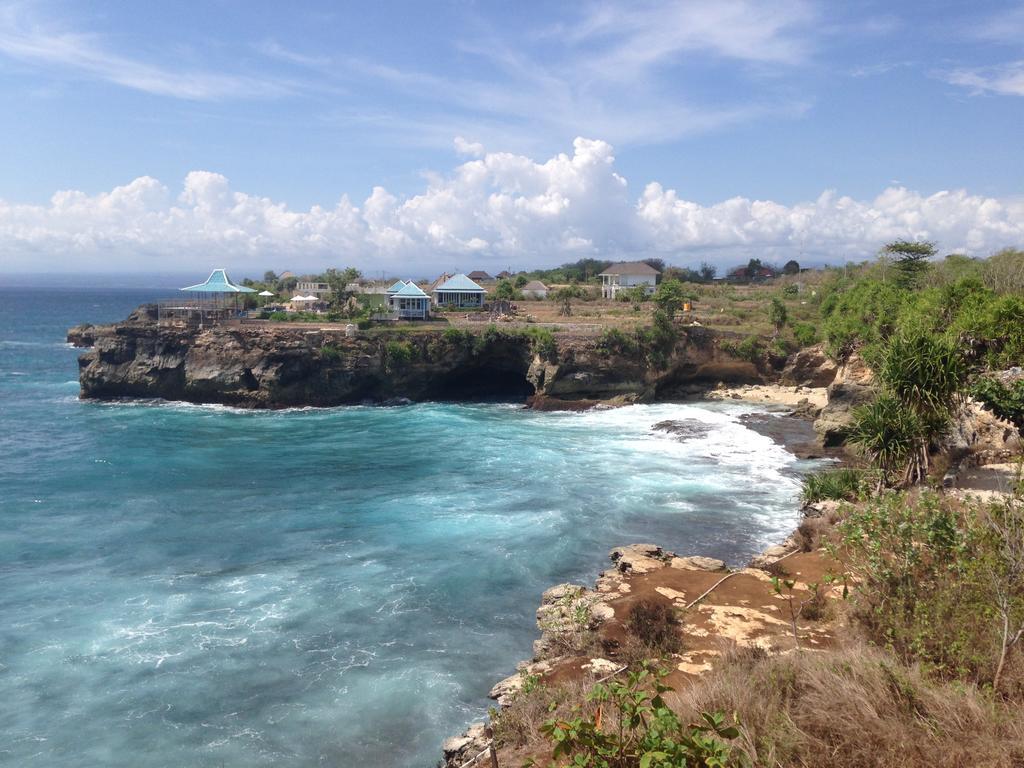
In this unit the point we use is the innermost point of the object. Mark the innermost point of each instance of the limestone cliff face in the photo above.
(273, 367)
(852, 386)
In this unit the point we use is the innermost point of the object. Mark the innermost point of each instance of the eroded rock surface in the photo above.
(273, 366)
(852, 387)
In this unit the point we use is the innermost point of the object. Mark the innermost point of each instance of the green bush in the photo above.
(806, 334)
(1005, 401)
(612, 341)
(330, 352)
(751, 349)
(842, 484)
(397, 354)
(936, 582)
(649, 734)
(656, 625)
(543, 343)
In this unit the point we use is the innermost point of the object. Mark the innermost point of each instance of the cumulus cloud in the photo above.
(497, 209)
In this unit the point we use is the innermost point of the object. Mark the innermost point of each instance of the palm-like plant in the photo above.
(888, 433)
(924, 381)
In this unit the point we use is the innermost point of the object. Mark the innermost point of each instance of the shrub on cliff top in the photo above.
(542, 341)
(330, 352)
(656, 625)
(633, 728)
(939, 582)
(397, 354)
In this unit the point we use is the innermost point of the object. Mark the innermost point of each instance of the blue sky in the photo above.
(298, 106)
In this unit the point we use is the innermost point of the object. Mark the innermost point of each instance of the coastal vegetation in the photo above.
(924, 591)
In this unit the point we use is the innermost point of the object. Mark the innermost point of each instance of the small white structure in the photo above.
(626, 275)
(535, 289)
(459, 291)
(409, 302)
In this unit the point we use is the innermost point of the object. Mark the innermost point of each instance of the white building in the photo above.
(310, 288)
(626, 275)
(408, 302)
(459, 291)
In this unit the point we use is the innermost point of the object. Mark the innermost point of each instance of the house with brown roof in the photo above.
(626, 275)
(479, 276)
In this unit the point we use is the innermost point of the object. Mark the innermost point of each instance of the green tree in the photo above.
(791, 267)
(507, 291)
(521, 280)
(707, 271)
(777, 315)
(910, 260)
(670, 296)
(565, 296)
(924, 381)
(270, 277)
(338, 281)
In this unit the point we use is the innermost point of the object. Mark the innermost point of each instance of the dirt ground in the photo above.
(744, 609)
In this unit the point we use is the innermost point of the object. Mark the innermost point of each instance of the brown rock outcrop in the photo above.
(810, 367)
(852, 387)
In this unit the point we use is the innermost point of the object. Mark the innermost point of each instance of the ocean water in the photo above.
(200, 586)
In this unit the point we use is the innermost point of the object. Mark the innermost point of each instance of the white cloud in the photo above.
(1004, 80)
(497, 210)
(470, 148)
(27, 40)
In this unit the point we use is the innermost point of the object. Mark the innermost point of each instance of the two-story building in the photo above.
(312, 288)
(626, 275)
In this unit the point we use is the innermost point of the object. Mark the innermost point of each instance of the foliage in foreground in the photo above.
(941, 584)
(632, 727)
(853, 707)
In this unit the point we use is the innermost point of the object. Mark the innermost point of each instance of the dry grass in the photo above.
(814, 532)
(855, 708)
(518, 725)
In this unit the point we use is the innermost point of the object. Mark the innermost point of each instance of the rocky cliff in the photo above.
(261, 366)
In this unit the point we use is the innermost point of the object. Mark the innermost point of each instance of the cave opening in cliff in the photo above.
(487, 382)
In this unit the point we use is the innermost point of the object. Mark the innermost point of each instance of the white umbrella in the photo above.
(299, 298)
(311, 298)
(265, 293)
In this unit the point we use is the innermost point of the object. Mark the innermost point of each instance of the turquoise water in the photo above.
(199, 586)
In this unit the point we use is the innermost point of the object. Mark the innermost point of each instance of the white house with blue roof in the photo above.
(408, 301)
(459, 291)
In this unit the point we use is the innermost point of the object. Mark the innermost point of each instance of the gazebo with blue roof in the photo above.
(209, 302)
(409, 302)
(218, 283)
(459, 291)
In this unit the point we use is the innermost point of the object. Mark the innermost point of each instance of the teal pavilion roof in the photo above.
(396, 287)
(460, 284)
(411, 290)
(218, 282)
